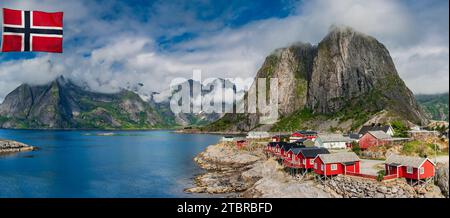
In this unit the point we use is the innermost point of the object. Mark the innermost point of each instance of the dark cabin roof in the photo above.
(296, 150)
(287, 146)
(281, 144)
(312, 152)
(366, 129)
(353, 136)
(272, 144)
(307, 132)
(281, 136)
(301, 140)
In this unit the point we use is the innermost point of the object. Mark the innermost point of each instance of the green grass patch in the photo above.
(421, 148)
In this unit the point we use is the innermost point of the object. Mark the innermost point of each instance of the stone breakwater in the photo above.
(9, 146)
(352, 187)
(249, 173)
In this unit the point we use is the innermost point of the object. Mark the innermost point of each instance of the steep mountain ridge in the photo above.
(339, 83)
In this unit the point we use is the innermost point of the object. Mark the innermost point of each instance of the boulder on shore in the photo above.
(441, 178)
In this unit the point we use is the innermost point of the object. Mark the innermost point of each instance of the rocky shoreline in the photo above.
(248, 173)
(10, 146)
(353, 187)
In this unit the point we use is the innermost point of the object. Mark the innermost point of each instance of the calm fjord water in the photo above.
(84, 164)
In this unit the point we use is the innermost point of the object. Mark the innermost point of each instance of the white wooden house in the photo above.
(332, 141)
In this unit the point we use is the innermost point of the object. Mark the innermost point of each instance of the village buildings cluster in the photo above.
(326, 155)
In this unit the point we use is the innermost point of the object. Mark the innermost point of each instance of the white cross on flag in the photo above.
(37, 31)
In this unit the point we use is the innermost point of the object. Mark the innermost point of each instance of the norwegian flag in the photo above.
(32, 31)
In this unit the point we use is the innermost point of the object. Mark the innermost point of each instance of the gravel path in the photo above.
(369, 166)
(441, 159)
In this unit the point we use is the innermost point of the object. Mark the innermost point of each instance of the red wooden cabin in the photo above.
(292, 154)
(277, 149)
(270, 148)
(415, 168)
(307, 155)
(303, 157)
(241, 143)
(276, 138)
(290, 159)
(311, 135)
(280, 138)
(336, 163)
(374, 138)
(284, 149)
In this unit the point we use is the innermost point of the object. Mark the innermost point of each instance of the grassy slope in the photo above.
(357, 110)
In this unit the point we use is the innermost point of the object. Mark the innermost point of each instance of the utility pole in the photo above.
(435, 151)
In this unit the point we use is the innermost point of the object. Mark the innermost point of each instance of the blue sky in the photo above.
(110, 45)
(218, 14)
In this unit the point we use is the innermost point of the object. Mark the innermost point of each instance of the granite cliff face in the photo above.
(62, 104)
(351, 66)
(348, 77)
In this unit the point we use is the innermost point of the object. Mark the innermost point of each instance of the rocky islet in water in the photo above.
(10, 146)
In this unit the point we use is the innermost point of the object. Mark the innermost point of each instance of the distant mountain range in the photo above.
(161, 103)
(61, 104)
(435, 106)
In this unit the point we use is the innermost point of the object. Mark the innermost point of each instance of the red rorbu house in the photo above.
(270, 148)
(276, 138)
(291, 160)
(284, 149)
(241, 143)
(279, 138)
(303, 157)
(273, 147)
(336, 163)
(416, 169)
(311, 135)
(308, 154)
(374, 138)
(276, 148)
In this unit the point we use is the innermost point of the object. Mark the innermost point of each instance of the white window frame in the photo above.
(311, 161)
(315, 166)
(409, 170)
(333, 166)
(304, 161)
(322, 167)
(422, 170)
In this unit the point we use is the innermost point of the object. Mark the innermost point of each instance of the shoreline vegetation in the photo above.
(10, 146)
(247, 172)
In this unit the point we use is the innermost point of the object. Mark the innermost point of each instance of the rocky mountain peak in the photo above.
(348, 75)
(352, 67)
